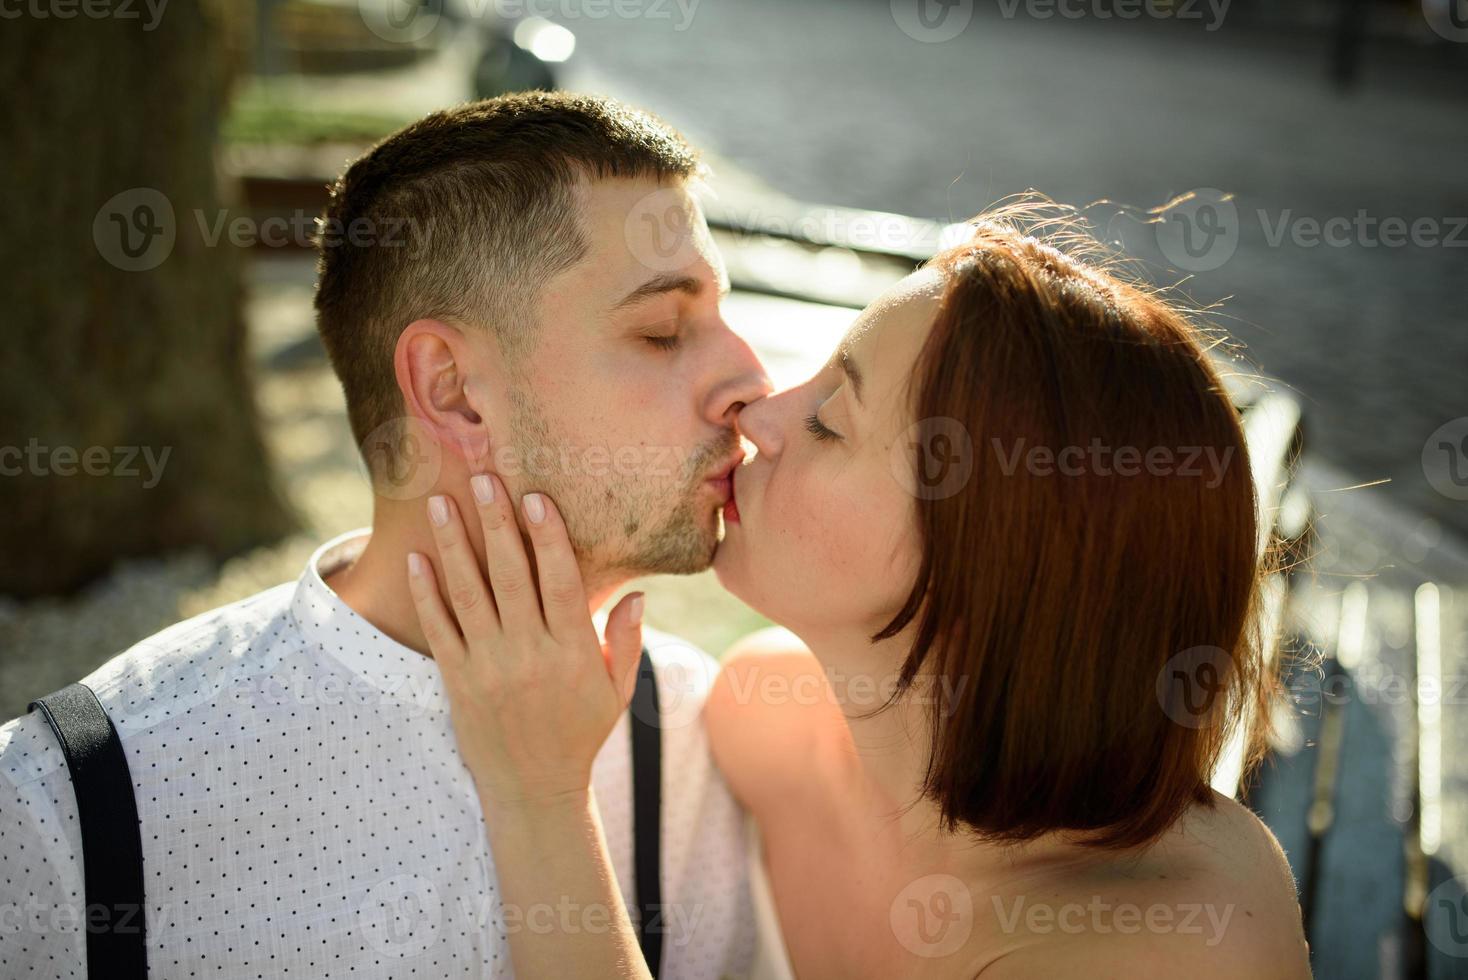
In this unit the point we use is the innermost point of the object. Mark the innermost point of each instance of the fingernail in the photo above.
(483, 488)
(534, 508)
(634, 609)
(438, 511)
(415, 563)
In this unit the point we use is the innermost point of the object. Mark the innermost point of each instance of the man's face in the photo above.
(624, 410)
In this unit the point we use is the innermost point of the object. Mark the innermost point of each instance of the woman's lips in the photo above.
(731, 508)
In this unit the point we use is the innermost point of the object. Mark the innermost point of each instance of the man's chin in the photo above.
(679, 548)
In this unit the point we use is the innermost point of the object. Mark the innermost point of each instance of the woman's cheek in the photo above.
(828, 533)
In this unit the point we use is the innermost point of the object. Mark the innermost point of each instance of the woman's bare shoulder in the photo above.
(1215, 899)
(771, 717)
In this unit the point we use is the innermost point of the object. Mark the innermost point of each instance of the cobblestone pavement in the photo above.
(833, 103)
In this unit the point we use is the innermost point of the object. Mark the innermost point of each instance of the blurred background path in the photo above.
(830, 102)
(835, 103)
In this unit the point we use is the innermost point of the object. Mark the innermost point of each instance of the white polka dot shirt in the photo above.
(304, 811)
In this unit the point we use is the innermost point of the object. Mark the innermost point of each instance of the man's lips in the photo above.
(723, 480)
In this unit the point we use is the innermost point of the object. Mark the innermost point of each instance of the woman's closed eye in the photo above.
(817, 428)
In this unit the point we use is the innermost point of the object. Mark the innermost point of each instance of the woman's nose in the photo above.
(759, 422)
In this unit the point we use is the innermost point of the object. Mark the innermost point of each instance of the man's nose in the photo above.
(744, 381)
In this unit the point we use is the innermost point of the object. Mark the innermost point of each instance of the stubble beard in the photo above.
(623, 523)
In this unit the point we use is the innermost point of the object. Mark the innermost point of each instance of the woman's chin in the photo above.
(728, 566)
(723, 560)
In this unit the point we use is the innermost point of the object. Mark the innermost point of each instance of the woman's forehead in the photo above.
(905, 309)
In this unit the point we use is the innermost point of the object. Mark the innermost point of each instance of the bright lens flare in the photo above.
(547, 41)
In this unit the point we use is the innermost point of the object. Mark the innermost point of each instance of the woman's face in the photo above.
(825, 539)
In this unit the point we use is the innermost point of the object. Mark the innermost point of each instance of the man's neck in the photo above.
(375, 585)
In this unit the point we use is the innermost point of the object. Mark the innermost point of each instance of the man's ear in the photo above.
(434, 365)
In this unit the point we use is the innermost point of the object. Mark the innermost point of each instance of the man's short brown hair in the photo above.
(463, 216)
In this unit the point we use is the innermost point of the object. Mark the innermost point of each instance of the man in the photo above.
(522, 286)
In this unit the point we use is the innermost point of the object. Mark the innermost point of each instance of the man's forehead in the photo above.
(638, 229)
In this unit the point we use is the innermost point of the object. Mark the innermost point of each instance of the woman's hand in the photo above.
(533, 693)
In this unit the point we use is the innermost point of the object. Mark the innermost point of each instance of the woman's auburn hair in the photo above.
(1048, 604)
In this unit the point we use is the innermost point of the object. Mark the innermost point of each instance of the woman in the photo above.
(1020, 627)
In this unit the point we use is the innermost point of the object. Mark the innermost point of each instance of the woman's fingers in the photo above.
(562, 594)
(439, 628)
(504, 556)
(462, 578)
(624, 644)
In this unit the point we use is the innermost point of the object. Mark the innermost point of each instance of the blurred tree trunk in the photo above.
(127, 417)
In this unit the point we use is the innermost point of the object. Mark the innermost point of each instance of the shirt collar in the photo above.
(331, 627)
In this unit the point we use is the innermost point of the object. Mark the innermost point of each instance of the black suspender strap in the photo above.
(647, 777)
(112, 848)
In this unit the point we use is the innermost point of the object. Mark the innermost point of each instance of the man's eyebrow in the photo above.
(853, 373)
(657, 286)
